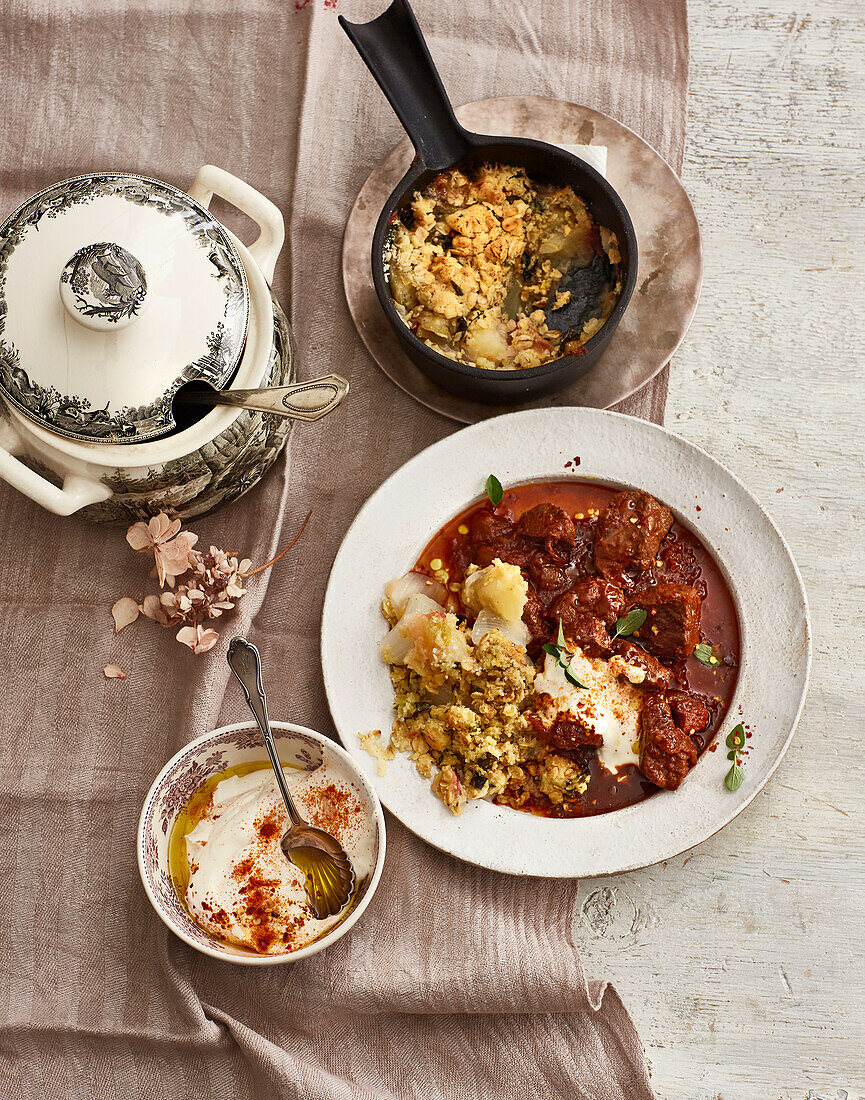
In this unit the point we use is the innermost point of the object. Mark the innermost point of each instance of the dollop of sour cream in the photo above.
(610, 705)
(242, 889)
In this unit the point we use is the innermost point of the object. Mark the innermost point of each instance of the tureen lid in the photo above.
(114, 291)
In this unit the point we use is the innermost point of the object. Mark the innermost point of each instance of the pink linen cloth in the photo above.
(457, 981)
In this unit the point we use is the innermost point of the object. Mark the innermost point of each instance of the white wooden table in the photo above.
(743, 962)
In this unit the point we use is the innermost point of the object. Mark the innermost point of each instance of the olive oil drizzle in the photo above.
(193, 812)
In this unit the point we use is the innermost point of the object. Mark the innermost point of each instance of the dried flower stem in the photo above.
(282, 553)
(196, 587)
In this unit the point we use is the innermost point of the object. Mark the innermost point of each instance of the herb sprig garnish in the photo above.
(706, 655)
(563, 657)
(629, 623)
(735, 743)
(494, 490)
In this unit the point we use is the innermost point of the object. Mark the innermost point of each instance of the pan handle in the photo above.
(393, 49)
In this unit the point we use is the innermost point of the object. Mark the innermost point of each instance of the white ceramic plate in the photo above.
(399, 519)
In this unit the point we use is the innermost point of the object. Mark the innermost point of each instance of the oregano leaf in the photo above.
(630, 622)
(494, 490)
(572, 678)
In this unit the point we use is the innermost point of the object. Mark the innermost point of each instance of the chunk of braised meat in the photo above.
(564, 606)
(491, 536)
(672, 626)
(583, 554)
(568, 735)
(550, 524)
(545, 575)
(581, 628)
(603, 598)
(533, 617)
(582, 756)
(547, 521)
(506, 546)
(519, 554)
(628, 534)
(658, 676)
(666, 754)
(689, 709)
(487, 526)
(461, 555)
(514, 553)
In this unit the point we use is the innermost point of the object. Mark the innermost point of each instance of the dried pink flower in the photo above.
(200, 586)
(159, 608)
(198, 638)
(160, 536)
(114, 672)
(174, 558)
(143, 536)
(125, 611)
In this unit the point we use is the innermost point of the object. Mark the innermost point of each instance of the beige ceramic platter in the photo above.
(397, 522)
(670, 256)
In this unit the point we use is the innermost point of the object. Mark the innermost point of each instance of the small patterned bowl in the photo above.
(181, 777)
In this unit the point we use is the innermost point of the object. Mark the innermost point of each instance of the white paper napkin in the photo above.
(596, 155)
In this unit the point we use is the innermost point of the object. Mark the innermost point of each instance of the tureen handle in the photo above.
(266, 247)
(76, 492)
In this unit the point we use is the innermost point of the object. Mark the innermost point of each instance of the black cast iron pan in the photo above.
(393, 49)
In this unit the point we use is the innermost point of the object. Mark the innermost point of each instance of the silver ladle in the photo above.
(323, 860)
(301, 401)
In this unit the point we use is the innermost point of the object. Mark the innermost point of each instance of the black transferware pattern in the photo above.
(72, 415)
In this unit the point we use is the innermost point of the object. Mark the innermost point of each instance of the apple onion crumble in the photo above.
(485, 263)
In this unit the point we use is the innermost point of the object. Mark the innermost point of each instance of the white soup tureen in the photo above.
(115, 291)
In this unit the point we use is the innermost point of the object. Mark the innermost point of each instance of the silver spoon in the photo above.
(301, 401)
(328, 870)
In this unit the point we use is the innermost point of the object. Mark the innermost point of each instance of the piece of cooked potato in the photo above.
(500, 588)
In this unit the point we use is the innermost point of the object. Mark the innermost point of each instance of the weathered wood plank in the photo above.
(743, 963)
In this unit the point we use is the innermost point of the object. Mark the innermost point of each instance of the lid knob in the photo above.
(103, 287)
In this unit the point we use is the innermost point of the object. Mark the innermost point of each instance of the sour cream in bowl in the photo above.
(208, 843)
